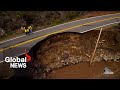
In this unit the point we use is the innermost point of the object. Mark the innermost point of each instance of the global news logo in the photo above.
(16, 62)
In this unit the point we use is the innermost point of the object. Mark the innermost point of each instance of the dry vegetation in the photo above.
(64, 49)
(11, 21)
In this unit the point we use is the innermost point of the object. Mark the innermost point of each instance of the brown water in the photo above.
(85, 71)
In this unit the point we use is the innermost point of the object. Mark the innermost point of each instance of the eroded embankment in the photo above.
(64, 49)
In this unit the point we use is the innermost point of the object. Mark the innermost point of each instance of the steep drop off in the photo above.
(64, 49)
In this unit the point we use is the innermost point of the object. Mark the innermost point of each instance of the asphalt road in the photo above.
(16, 46)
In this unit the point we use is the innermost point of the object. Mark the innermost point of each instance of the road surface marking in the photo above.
(1, 61)
(100, 26)
(81, 32)
(54, 33)
(60, 25)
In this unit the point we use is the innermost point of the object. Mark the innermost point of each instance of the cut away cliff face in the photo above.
(64, 49)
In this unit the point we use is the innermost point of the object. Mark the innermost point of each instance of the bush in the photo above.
(12, 20)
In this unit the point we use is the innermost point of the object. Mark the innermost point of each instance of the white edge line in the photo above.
(12, 39)
(80, 32)
(14, 56)
(19, 54)
(60, 25)
(74, 21)
(1, 61)
(100, 26)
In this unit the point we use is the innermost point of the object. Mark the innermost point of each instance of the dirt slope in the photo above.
(58, 51)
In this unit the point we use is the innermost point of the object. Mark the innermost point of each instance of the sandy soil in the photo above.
(68, 55)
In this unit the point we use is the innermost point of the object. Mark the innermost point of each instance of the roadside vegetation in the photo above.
(11, 21)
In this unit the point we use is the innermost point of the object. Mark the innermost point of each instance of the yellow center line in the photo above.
(16, 45)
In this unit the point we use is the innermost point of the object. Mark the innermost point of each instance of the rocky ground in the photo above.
(67, 55)
(66, 49)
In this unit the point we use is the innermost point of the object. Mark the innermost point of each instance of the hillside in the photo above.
(11, 21)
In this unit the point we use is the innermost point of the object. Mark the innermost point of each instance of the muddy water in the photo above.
(58, 51)
(85, 71)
